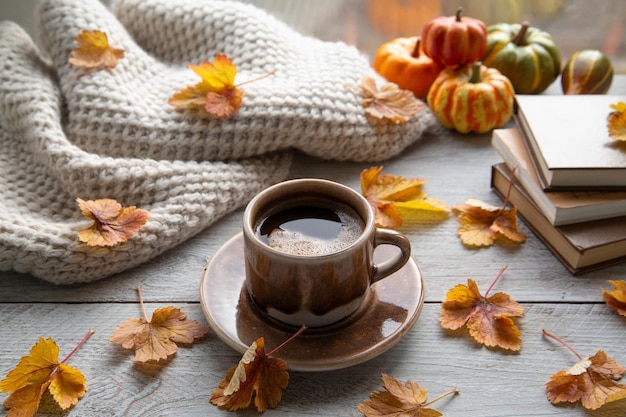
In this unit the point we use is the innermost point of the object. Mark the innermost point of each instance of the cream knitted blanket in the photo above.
(66, 133)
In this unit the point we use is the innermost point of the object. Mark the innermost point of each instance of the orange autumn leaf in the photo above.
(40, 371)
(389, 102)
(157, 338)
(94, 51)
(399, 399)
(616, 122)
(488, 319)
(592, 380)
(216, 94)
(112, 223)
(392, 196)
(482, 224)
(256, 373)
(616, 299)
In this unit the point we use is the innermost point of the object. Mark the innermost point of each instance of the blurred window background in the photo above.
(574, 24)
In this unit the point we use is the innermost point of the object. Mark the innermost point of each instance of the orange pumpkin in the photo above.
(455, 40)
(472, 98)
(402, 61)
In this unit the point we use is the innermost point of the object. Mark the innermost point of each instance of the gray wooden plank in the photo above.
(456, 167)
(492, 382)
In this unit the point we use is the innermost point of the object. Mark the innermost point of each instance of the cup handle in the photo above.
(389, 266)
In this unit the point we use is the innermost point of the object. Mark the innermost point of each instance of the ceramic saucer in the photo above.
(390, 310)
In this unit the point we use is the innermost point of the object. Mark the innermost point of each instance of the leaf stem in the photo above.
(272, 72)
(563, 342)
(82, 342)
(508, 192)
(143, 308)
(282, 345)
(445, 394)
(495, 280)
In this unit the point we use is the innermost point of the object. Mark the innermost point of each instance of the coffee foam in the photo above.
(299, 244)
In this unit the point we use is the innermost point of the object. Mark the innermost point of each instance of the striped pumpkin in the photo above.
(472, 98)
(526, 55)
(587, 72)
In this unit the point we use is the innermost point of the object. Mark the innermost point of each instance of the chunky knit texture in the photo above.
(67, 133)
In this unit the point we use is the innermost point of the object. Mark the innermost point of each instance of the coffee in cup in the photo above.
(313, 226)
(308, 247)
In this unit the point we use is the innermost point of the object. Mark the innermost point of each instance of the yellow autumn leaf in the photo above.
(67, 385)
(94, 51)
(616, 122)
(427, 203)
(215, 94)
(39, 371)
(394, 198)
(616, 299)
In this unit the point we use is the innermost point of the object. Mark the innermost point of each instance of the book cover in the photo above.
(562, 207)
(568, 138)
(580, 247)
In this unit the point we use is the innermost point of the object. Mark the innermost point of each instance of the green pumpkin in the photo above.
(587, 72)
(526, 55)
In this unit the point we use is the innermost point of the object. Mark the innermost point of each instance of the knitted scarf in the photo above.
(68, 133)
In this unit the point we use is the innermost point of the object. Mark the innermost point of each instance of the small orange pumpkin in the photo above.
(455, 40)
(472, 98)
(403, 62)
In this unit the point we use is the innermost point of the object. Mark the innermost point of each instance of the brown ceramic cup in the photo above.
(309, 251)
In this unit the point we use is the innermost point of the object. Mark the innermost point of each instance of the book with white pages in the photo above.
(581, 247)
(568, 138)
(559, 207)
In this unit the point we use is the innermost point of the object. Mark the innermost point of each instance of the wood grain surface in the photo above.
(493, 383)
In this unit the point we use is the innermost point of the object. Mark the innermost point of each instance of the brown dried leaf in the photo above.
(489, 320)
(406, 400)
(112, 224)
(94, 51)
(482, 224)
(256, 372)
(388, 102)
(591, 380)
(157, 338)
(616, 299)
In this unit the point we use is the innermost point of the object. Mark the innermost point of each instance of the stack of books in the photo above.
(567, 177)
